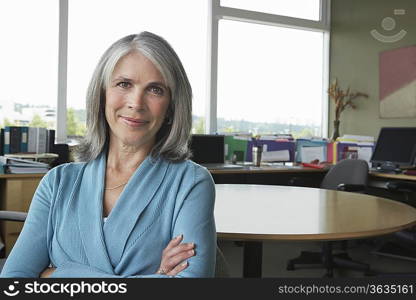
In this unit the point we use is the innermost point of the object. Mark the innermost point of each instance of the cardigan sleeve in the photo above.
(76, 270)
(29, 256)
(194, 219)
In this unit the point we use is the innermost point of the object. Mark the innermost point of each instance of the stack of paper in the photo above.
(362, 139)
(9, 165)
(272, 156)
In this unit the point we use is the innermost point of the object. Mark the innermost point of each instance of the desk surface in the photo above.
(262, 212)
(267, 169)
(393, 176)
(17, 176)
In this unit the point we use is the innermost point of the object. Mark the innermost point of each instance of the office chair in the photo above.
(221, 266)
(347, 175)
(16, 216)
(408, 188)
(403, 243)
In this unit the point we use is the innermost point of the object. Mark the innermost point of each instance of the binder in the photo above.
(31, 144)
(272, 145)
(310, 143)
(41, 139)
(330, 157)
(6, 143)
(12, 139)
(344, 150)
(236, 145)
(50, 140)
(1, 141)
(24, 138)
(3, 167)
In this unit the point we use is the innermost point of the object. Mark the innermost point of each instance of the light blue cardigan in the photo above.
(162, 200)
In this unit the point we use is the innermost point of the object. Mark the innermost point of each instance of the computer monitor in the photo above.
(207, 148)
(395, 148)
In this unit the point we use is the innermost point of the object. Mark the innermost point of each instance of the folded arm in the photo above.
(29, 256)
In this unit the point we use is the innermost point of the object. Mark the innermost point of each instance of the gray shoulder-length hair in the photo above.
(173, 137)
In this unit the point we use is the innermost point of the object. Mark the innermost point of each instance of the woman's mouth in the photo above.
(133, 122)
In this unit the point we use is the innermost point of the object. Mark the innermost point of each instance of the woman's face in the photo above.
(137, 99)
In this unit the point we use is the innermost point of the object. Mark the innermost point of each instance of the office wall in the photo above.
(354, 57)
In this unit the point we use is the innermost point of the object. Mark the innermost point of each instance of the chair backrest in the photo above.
(348, 171)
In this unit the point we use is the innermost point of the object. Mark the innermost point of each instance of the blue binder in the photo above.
(24, 139)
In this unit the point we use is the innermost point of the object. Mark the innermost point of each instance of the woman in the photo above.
(135, 206)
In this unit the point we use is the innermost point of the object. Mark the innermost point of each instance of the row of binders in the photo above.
(12, 165)
(278, 148)
(24, 139)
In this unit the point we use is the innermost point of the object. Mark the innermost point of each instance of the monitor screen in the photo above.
(395, 145)
(207, 148)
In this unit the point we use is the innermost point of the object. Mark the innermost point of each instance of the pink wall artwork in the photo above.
(398, 83)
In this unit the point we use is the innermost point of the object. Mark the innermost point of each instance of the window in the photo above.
(269, 67)
(304, 9)
(29, 62)
(182, 23)
(269, 79)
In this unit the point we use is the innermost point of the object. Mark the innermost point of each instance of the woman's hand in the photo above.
(174, 256)
(47, 272)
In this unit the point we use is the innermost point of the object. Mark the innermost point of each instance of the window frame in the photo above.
(61, 105)
(217, 12)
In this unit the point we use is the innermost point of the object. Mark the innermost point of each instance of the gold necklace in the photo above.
(117, 186)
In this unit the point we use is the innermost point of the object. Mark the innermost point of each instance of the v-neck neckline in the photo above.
(120, 196)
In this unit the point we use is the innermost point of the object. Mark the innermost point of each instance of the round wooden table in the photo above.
(255, 213)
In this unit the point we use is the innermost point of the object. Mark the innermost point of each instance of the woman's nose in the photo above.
(136, 100)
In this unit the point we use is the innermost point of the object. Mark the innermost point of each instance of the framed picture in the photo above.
(398, 83)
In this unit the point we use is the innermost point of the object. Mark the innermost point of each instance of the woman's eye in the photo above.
(156, 90)
(124, 84)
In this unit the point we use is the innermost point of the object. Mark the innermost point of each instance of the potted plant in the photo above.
(342, 100)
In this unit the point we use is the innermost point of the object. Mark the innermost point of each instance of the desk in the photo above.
(16, 192)
(392, 176)
(276, 175)
(256, 213)
(377, 186)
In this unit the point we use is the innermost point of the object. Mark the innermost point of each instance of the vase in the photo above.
(335, 133)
